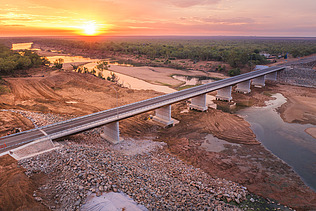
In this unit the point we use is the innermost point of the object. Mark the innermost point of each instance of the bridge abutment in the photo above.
(259, 81)
(163, 116)
(243, 87)
(199, 103)
(224, 93)
(111, 132)
(272, 76)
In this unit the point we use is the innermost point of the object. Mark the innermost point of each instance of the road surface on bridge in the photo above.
(83, 123)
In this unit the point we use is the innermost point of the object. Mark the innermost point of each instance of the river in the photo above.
(288, 141)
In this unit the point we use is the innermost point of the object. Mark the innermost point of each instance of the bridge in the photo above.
(110, 118)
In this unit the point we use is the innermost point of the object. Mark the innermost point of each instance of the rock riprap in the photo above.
(156, 179)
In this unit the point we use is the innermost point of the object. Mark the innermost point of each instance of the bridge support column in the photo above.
(243, 87)
(111, 132)
(199, 103)
(260, 81)
(163, 115)
(271, 76)
(224, 93)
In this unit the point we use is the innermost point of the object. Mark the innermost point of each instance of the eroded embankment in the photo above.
(249, 163)
(16, 189)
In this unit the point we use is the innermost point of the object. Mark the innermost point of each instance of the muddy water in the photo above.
(288, 141)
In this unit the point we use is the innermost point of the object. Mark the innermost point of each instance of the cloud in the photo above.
(190, 3)
(14, 25)
(235, 20)
(219, 21)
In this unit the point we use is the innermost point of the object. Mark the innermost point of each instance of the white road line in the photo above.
(43, 132)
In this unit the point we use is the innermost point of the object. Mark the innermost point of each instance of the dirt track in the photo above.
(72, 94)
(67, 93)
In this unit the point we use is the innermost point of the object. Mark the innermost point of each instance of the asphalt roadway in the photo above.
(80, 124)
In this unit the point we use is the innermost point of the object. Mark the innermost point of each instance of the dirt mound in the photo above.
(196, 124)
(249, 164)
(13, 122)
(16, 189)
(67, 93)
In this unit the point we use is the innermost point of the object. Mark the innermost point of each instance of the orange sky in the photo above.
(160, 17)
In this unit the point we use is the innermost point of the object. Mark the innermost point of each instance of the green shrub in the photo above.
(234, 72)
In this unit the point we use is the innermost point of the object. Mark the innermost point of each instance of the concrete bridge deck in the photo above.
(80, 124)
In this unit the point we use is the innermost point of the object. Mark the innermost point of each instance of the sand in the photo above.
(160, 75)
(300, 106)
(311, 131)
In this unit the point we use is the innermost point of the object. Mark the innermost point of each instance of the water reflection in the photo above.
(288, 141)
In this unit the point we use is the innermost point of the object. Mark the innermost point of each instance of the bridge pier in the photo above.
(243, 87)
(260, 81)
(111, 132)
(199, 103)
(163, 115)
(271, 76)
(224, 93)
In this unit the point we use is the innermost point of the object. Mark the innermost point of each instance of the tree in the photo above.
(74, 67)
(58, 63)
(234, 72)
(45, 61)
(102, 65)
(113, 78)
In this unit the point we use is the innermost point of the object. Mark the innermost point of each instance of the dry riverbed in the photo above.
(241, 159)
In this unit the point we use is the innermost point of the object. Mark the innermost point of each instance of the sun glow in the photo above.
(90, 29)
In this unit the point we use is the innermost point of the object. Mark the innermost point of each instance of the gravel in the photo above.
(142, 169)
(153, 178)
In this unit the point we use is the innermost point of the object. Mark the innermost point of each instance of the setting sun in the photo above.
(90, 29)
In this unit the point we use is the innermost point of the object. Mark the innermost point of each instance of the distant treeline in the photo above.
(11, 61)
(236, 53)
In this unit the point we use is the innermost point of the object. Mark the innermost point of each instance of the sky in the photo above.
(291, 18)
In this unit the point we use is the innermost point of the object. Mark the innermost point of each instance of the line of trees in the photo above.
(12, 61)
(236, 52)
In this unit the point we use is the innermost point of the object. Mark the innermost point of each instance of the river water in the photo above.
(288, 141)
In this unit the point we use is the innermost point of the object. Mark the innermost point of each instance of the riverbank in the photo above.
(249, 163)
(311, 131)
(300, 106)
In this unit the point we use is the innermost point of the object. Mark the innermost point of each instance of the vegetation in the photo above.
(58, 63)
(234, 72)
(102, 65)
(113, 78)
(237, 52)
(11, 61)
